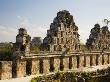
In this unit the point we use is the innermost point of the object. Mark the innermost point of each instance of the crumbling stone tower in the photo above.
(99, 38)
(23, 41)
(63, 34)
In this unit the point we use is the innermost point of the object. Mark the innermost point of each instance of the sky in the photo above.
(36, 16)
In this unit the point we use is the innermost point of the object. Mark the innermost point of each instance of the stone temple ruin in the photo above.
(99, 38)
(63, 34)
(23, 41)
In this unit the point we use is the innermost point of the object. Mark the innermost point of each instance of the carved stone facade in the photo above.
(23, 41)
(99, 38)
(63, 34)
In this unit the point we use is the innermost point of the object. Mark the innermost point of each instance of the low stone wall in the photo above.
(51, 63)
(5, 70)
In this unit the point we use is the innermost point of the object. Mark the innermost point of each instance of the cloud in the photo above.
(33, 29)
(7, 34)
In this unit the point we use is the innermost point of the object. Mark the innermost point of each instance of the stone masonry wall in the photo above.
(47, 64)
(5, 70)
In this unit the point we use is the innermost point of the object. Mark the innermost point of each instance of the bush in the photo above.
(6, 53)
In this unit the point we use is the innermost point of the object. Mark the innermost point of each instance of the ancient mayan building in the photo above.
(36, 41)
(99, 38)
(22, 41)
(63, 34)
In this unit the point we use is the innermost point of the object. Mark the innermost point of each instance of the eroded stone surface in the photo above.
(63, 33)
(99, 38)
(5, 70)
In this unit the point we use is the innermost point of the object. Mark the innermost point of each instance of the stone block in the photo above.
(66, 63)
(94, 60)
(81, 61)
(5, 70)
(46, 65)
(109, 58)
(74, 61)
(35, 67)
(57, 64)
(100, 60)
(88, 61)
(105, 59)
(19, 68)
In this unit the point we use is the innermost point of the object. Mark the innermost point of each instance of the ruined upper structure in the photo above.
(22, 41)
(36, 41)
(63, 33)
(99, 38)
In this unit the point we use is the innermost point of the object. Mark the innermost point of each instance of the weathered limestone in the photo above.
(35, 67)
(63, 34)
(36, 41)
(66, 63)
(5, 70)
(19, 68)
(87, 60)
(100, 59)
(57, 64)
(81, 61)
(109, 58)
(94, 60)
(105, 59)
(99, 38)
(46, 66)
(23, 41)
(74, 61)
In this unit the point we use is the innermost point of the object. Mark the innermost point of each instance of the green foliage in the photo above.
(70, 77)
(6, 53)
(33, 80)
(86, 75)
(37, 79)
(35, 49)
(58, 75)
(83, 47)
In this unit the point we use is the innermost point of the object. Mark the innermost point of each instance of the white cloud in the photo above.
(7, 34)
(34, 30)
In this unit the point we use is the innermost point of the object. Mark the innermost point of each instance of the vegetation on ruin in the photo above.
(83, 47)
(57, 77)
(74, 77)
(35, 49)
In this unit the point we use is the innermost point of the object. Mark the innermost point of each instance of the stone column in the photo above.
(109, 58)
(46, 65)
(57, 64)
(74, 61)
(105, 59)
(93, 59)
(81, 61)
(5, 70)
(66, 63)
(100, 59)
(19, 68)
(35, 67)
(88, 60)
